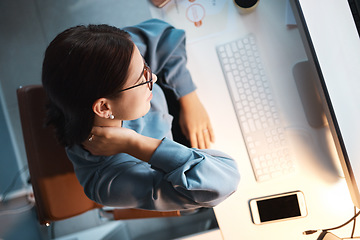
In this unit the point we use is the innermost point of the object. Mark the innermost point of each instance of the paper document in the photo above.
(199, 18)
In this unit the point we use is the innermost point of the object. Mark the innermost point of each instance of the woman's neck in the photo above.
(106, 122)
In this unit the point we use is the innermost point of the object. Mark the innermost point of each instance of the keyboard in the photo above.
(255, 108)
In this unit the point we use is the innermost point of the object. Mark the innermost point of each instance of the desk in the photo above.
(326, 193)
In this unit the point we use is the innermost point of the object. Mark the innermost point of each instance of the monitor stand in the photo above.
(325, 152)
(305, 81)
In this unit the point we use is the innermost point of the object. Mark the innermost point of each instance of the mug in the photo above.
(246, 6)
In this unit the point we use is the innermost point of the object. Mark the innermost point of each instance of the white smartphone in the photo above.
(278, 207)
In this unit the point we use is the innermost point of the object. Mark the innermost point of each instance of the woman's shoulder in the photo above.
(154, 22)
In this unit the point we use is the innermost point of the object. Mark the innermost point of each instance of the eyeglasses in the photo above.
(148, 77)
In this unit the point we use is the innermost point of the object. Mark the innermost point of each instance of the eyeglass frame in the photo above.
(149, 82)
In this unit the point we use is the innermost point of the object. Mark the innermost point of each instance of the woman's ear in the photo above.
(101, 108)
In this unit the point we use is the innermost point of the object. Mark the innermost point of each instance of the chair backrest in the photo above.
(57, 192)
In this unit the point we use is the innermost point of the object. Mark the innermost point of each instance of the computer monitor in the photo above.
(332, 44)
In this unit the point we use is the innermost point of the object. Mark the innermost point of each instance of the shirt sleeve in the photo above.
(163, 48)
(205, 176)
(175, 178)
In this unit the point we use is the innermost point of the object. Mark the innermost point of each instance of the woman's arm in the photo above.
(175, 178)
(163, 47)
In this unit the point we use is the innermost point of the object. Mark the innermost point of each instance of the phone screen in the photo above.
(278, 208)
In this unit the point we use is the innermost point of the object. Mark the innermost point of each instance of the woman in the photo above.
(115, 124)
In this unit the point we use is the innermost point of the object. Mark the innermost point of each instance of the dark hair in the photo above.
(82, 64)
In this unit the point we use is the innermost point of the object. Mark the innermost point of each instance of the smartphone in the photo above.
(278, 207)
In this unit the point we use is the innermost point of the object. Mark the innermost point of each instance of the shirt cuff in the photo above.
(184, 86)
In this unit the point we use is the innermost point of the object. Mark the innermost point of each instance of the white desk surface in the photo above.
(327, 198)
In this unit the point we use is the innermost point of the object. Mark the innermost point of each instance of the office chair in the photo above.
(58, 194)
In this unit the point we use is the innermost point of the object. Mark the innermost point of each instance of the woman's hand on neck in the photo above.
(109, 138)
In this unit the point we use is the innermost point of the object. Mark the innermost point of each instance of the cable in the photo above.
(354, 224)
(308, 232)
(344, 224)
(12, 184)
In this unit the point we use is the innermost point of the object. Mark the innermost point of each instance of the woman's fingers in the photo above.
(193, 140)
(201, 139)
